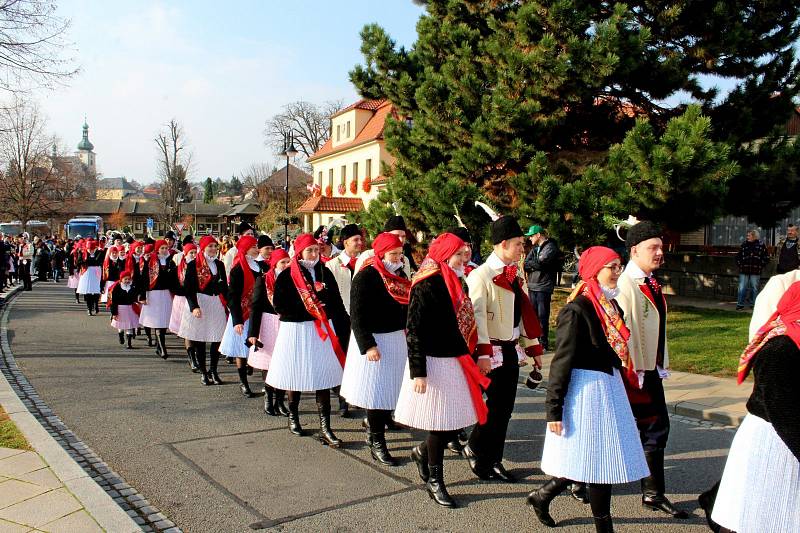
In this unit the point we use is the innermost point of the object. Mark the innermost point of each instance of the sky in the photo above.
(221, 69)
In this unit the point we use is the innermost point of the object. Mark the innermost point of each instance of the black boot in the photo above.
(161, 342)
(214, 356)
(344, 407)
(149, 335)
(280, 407)
(540, 499)
(653, 487)
(245, 385)
(455, 446)
(420, 457)
(130, 342)
(192, 359)
(706, 501)
(326, 435)
(89, 305)
(579, 492)
(294, 417)
(269, 401)
(200, 357)
(379, 451)
(603, 524)
(77, 297)
(437, 489)
(121, 337)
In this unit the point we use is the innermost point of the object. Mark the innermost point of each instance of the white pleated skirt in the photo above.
(267, 334)
(179, 305)
(599, 442)
(446, 404)
(126, 318)
(376, 384)
(302, 361)
(156, 313)
(232, 344)
(72, 281)
(104, 297)
(760, 488)
(89, 281)
(210, 326)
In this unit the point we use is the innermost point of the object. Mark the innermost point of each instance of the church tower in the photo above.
(86, 150)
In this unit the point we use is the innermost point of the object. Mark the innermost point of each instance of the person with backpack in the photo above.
(542, 266)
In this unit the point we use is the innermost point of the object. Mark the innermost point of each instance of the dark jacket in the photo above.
(432, 328)
(542, 265)
(788, 256)
(91, 261)
(259, 305)
(122, 297)
(752, 257)
(166, 280)
(372, 308)
(235, 289)
(580, 343)
(216, 286)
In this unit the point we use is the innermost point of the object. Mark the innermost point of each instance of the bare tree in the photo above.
(36, 182)
(254, 181)
(309, 123)
(174, 162)
(33, 41)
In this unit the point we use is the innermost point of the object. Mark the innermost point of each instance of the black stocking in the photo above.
(323, 397)
(600, 499)
(294, 399)
(200, 354)
(435, 445)
(376, 418)
(214, 356)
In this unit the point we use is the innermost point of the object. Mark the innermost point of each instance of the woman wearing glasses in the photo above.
(591, 433)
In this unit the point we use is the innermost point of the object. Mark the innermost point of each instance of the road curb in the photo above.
(113, 503)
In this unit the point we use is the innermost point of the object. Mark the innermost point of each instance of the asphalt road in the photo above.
(212, 461)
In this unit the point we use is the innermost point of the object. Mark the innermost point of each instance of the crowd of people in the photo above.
(439, 346)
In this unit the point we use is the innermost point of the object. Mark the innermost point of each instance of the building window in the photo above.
(330, 178)
(320, 178)
(338, 132)
(355, 171)
(138, 226)
(368, 169)
(344, 174)
(348, 129)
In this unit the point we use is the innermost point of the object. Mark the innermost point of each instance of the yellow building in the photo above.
(347, 169)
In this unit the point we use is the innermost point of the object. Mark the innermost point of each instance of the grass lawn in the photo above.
(701, 341)
(10, 436)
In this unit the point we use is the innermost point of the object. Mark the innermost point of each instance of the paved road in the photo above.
(212, 461)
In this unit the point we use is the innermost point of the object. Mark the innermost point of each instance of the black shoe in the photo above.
(455, 446)
(192, 360)
(420, 458)
(603, 524)
(280, 407)
(294, 421)
(379, 451)
(344, 408)
(540, 499)
(161, 340)
(122, 337)
(659, 502)
(326, 435)
(205, 379)
(578, 491)
(158, 350)
(706, 501)
(130, 342)
(474, 464)
(365, 425)
(216, 378)
(437, 489)
(269, 401)
(653, 487)
(246, 392)
(498, 471)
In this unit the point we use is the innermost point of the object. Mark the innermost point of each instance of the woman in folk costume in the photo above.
(111, 270)
(90, 264)
(124, 306)
(442, 390)
(591, 432)
(203, 322)
(179, 304)
(378, 351)
(308, 353)
(72, 268)
(159, 278)
(263, 330)
(760, 487)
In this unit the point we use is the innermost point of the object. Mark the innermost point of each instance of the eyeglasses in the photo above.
(615, 268)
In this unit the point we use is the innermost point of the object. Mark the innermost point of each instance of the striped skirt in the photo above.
(760, 488)
(446, 404)
(232, 343)
(126, 318)
(210, 326)
(72, 281)
(599, 442)
(89, 281)
(376, 384)
(260, 357)
(104, 297)
(302, 361)
(156, 313)
(179, 305)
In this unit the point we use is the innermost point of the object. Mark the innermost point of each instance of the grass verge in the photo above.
(10, 436)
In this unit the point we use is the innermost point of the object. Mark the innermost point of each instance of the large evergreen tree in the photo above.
(559, 111)
(208, 191)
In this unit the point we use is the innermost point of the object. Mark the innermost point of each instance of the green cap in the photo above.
(533, 230)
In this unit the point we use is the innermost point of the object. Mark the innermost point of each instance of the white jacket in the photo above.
(767, 299)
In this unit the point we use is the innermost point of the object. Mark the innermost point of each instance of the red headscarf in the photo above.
(784, 321)
(182, 264)
(109, 301)
(130, 259)
(440, 251)
(107, 260)
(242, 245)
(398, 287)
(269, 279)
(154, 263)
(308, 295)
(89, 245)
(203, 271)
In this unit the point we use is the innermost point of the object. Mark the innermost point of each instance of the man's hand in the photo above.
(239, 329)
(485, 365)
(420, 385)
(197, 313)
(555, 427)
(374, 354)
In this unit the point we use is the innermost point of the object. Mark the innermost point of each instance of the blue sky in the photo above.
(219, 68)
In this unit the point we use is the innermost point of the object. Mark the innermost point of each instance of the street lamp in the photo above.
(290, 151)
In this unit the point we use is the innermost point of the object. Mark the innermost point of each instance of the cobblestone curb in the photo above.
(141, 511)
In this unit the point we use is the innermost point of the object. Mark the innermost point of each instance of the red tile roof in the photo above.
(364, 103)
(371, 131)
(325, 204)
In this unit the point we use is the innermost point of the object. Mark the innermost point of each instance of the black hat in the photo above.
(322, 234)
(170, 235)
(264, 240)
(244, 226)
(641, 232)
(505, 228)
(350, 230)
(188, 239)
(394, 223)
(462, 233)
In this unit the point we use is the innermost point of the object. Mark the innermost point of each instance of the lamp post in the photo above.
(290, 151)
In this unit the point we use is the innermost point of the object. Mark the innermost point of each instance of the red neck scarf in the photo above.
(182, 264)
(203, 271)
(269, 278)
(784, 321)
(107, 261)
(398, 287)
(308, 295)
(130, 259)
(244, 244)
(441, 249)
(155, 263)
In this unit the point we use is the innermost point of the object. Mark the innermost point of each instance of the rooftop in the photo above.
(372, 130)
(116, 184)
(326, 204)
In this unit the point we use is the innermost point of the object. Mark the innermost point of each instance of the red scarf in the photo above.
(269, 278)
(86, 252)
(398, 287)
(784, 321)
(107, 261)
(308, 295)
(137, 307)
(203, 271)
(182, 264)
(129, 260)
(435, 264)
(155, 263)
(242, 245)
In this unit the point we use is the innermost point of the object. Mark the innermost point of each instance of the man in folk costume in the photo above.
(645, 309)
(396, 225)
(507, 324)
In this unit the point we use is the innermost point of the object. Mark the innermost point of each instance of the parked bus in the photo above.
(83, 226)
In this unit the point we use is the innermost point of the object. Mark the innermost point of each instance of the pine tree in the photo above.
(555, 110)
(208, 191)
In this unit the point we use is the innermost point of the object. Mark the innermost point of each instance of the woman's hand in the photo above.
(197, 313)
(555, 427)
(144, 302)
(420, 385)
(374, 354)
(252, 341)
(239, 329)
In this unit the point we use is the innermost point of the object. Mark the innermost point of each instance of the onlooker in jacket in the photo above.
(542, 265)
(751, 259)
(788, 251)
